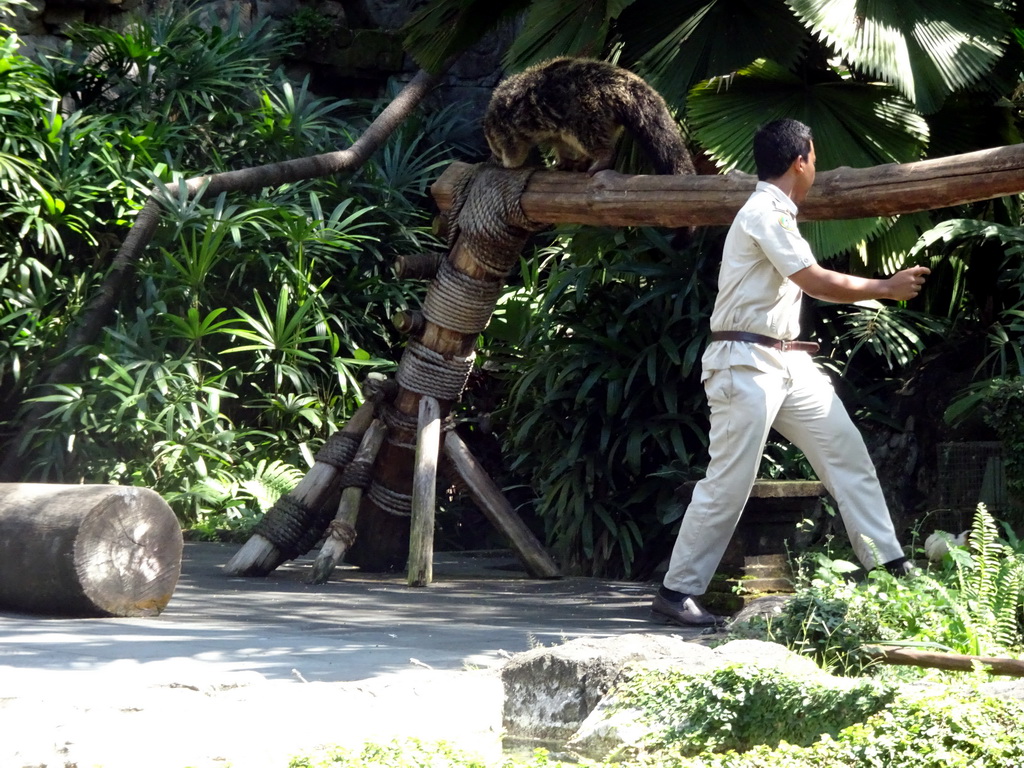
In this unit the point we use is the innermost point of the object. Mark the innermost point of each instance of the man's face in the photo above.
(805, 175)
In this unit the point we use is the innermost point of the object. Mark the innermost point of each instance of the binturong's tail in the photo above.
(643, 112)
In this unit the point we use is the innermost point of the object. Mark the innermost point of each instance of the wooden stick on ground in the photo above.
(259, 556)
(495, 507)
(342, 530)
(424, 488)
(911, 657)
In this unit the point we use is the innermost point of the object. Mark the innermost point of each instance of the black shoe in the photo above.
(902, 567)
(686, 613)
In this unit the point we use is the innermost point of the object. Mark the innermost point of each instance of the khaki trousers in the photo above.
(798, 400)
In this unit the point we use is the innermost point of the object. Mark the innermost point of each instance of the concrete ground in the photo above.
(244, 672)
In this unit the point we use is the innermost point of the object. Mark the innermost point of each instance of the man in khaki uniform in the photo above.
(756, 377)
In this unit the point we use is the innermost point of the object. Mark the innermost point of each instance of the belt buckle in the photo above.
(785, 345)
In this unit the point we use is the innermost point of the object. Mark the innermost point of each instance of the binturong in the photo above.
(577, 109)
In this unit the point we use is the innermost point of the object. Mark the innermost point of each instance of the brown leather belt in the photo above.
(810, 347)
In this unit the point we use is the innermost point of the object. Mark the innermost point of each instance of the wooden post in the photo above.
(491, 235)
(342, 530)
(87, 550)
(259, 556)
(424, 491)
(495, 507)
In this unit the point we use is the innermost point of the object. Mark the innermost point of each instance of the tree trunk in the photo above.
(612, 199)
(87, 550)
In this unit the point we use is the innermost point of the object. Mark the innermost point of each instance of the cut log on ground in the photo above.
(613, 200)
(954, 662)
(87, 550)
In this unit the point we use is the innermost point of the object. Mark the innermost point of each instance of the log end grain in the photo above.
(128, 554)
(87, 550)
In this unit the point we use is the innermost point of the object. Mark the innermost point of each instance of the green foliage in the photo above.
(310, 25)
(744, 705)
(1003, 410)
(972, 606)
(955, 728)
(239, 349)
(959, 728)
(604, 412)
(405, 753)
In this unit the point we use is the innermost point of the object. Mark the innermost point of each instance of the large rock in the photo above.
(554, 696)
(613, 728)
(550, 691)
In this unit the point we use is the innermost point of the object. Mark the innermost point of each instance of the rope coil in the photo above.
(338, 450)
(357, 474)
(392, 502)
(342, 531)
(426, 372)
(460, 302)
(292, 527)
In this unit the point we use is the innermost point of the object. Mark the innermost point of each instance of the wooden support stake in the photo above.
(911, 657)
(259, 556)
(495, 507)
(342, 531)
(424, 492)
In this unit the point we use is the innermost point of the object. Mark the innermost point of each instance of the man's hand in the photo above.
(906, 283)
(840, 288)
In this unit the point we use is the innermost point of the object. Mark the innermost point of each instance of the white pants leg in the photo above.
(800, 402)
(743, 403)
(815, 421)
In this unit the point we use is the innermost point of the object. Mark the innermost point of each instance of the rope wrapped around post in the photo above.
(486, 232)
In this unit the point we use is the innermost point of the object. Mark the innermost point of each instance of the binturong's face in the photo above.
(804, 176)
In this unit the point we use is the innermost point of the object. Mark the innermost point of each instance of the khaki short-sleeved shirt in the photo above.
(763, 248)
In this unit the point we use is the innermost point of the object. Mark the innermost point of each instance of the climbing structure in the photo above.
(384, 462)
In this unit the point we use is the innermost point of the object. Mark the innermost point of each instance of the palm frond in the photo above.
(444, 28)
(864, 126)
(926, 49)
(677, 45)
(830, 238)
(889, 251)
(563, 28)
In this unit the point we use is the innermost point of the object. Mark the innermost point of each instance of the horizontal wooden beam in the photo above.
(614, 199)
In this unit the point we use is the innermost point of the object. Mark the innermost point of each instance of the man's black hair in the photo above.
(777, 144)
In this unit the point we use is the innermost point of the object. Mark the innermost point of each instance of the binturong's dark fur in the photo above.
(577, 108)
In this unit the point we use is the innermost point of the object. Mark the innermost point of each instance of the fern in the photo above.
(991, 585)
(270, 481)
(1006, 608)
